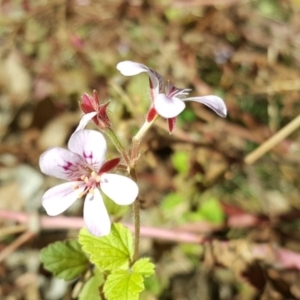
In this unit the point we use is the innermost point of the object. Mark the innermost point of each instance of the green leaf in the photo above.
(127, 284)
(144, 267)
(65, 259)
(180, 160)
(123, 285)
(211, 210)
(110, 252)
(153, 285)
(90, 289)
(171, 201)
(187, 116)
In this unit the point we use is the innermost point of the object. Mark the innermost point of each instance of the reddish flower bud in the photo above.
(90, 104)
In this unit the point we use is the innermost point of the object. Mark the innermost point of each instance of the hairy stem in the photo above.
(137, 221)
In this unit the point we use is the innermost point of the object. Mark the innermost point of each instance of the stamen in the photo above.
(91, 191)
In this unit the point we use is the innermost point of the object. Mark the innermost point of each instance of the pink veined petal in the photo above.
(95, 214)
(213, 102)
(90, 145)
(120, 189)
(61, 163)
(84, 120)
(57, 199)
(168, 107)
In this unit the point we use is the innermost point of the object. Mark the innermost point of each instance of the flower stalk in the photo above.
(136, 220)
(111, 134)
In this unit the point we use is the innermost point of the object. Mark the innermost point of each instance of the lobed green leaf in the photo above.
(65, 260)
(110, 252)
(123, 285)
(128, 284)
(144, 267)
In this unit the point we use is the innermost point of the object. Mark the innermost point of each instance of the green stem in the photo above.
(136, 204)
(136, 219)
(131, 163)
(136, 140)
(118, 145)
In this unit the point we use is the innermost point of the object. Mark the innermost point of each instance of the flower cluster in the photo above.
(169, 103)
(83, 165)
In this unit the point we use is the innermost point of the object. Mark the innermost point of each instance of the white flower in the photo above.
(84, 166)
(171, 103)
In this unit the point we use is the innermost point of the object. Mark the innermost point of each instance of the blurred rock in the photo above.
(56, 290)
(16, 78)
(30, 182)
(57, 132)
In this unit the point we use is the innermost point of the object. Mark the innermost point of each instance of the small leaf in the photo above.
(123, 285)
(110, 252)
(171, 201)
(211, 210)
(90, 289)
(65, 259)
(127, 284)
(180, 161)
(144, 267)
(187, 116)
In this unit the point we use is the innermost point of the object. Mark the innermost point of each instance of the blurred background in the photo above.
(199, 180)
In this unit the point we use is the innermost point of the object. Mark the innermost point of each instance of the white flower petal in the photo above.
(120, 189)
(61, 163)
(57, 199)
(168, 107)
(90, 145)
(213, 102)
(130, 68)
(95, 214)
(85, 119)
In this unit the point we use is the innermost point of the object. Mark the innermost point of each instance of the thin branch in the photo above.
(26, 236)
(273, 141)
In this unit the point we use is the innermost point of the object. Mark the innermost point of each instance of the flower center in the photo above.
(91, 181)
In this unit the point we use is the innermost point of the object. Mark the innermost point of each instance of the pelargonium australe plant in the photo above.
(110, 249)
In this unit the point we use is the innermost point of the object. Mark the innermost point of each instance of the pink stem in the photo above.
(77, 223)
(282, 258)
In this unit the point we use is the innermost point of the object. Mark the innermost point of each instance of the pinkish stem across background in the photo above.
(281, 258)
